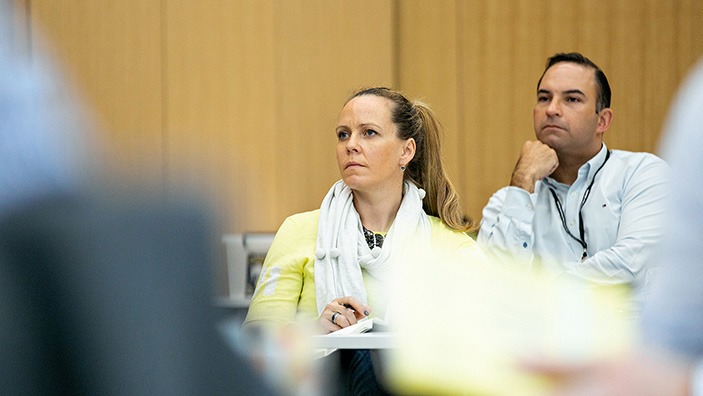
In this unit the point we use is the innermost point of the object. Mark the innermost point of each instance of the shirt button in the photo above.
(571, 222)
(529, 206)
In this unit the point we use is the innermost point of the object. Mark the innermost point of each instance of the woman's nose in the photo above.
(353, 142)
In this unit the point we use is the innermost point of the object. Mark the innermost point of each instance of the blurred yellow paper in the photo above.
(463, 327)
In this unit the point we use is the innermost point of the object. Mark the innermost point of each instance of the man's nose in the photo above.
(554, 108)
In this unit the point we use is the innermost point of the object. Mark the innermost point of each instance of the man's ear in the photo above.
(605, 117)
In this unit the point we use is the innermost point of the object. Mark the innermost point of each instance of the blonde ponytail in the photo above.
(442, 199)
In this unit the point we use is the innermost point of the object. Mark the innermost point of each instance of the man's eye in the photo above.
(542, 99)
(573, 99)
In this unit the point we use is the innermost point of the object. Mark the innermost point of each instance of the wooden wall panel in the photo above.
(689, 16)
(503, 111)
(427, 56)
(111, 51)
(250, 116)
(624, 69)
(500, 56)
(472, 122)
(324, 51)
(659, 77)
(252, 95)
(220, 121)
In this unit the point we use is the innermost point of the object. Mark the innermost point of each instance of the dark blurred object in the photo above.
(101, 297)
(101, 293)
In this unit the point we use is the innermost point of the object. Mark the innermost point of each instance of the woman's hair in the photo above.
(416, 120)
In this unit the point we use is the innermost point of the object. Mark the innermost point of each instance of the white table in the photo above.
(371, 340)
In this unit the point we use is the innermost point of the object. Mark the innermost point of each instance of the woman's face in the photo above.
(369, 151)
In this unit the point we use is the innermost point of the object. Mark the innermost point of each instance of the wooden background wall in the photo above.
(239, 99)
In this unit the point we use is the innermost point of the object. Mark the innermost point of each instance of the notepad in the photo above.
(346, 336)
(463, 327)
(364, 325)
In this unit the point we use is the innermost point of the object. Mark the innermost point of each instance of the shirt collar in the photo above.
(586, 170)
(592, 165)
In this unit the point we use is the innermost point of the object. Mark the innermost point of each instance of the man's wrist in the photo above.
(524, 181)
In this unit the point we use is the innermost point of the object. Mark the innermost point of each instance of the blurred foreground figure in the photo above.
(670, 359)
(99, 294)
(106, 298)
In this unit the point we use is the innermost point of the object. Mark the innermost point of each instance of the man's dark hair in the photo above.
(603, 100)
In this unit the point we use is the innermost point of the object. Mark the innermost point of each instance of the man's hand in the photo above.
(537, 161)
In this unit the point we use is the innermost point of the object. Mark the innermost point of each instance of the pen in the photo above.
(348, 306)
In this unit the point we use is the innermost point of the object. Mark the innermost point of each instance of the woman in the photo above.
(332, 265)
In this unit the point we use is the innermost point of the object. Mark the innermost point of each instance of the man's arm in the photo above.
(506, 226)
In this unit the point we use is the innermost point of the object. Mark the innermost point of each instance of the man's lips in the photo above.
(553, 126)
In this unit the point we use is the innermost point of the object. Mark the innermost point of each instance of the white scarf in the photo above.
(342, 250)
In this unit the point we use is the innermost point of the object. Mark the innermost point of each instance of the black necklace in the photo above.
(372, 239)
(582, 240)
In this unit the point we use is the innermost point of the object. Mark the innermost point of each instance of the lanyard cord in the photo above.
(560, 209)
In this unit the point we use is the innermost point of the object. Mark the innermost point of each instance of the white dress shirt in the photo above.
(622, 219)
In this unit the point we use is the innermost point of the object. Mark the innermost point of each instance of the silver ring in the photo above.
(334, 317)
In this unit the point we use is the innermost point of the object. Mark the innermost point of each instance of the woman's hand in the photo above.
(342, 312)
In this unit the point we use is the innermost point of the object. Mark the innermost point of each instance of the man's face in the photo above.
(565, 115)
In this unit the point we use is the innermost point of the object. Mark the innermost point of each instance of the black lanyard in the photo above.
(582, 240)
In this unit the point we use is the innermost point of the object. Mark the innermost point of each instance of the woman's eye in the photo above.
(371, 132)
(342, 135)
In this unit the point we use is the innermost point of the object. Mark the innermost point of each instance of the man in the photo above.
(669, 360)
(574, 206)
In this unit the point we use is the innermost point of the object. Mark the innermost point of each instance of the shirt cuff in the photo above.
(518, 204)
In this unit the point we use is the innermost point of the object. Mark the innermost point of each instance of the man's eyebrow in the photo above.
(574, 91)
(567, 92)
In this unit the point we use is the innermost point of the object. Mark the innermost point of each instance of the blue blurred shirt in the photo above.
(42, 149)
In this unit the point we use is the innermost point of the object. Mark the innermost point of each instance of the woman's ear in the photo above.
(408, 151)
